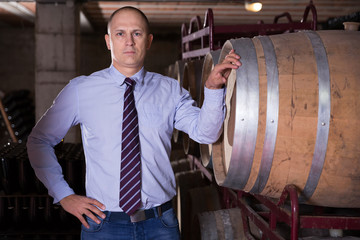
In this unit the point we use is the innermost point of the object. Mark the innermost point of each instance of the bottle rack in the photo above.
(6, 132)
(17, 117)
(26, 211)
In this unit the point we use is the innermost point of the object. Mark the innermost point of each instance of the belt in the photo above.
(142, 214)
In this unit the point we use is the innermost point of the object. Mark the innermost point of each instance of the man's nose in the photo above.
(129, 39)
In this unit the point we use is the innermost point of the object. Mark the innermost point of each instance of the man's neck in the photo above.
(127, 71)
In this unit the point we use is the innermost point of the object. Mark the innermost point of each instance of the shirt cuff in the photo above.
(61, 191)
(214, 98)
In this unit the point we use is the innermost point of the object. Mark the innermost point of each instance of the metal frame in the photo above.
(278, 211)
(209, 34)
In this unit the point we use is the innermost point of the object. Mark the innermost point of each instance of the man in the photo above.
(96, 102)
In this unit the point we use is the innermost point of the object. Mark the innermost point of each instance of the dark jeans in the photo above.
(165, 227)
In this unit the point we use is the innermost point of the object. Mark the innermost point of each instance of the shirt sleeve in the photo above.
(49, 131)
(202, 125)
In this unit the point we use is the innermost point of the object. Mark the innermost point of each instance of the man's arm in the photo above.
(204, 125)
(48, 132)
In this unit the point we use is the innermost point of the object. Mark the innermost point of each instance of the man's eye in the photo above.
(119, 34)
(137, 34)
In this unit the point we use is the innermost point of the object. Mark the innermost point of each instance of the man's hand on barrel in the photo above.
(221, 71)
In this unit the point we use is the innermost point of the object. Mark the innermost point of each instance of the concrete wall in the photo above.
(94, 55)
(17, 51)
(17, 61)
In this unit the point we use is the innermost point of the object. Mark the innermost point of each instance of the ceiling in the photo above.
(94, 14)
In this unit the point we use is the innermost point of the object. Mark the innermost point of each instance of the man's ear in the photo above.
(107, 40)
(150, 38)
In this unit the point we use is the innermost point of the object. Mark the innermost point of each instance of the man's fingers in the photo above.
(94, 207)
(221, 71)
(90, 212)
(222, 67)
(79, 215)
(83, 222)
(96, 211)
(96, 203)
(92, 216)
(226, 74)
(233, 58)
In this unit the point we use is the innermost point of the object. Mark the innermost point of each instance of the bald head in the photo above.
(135, 10)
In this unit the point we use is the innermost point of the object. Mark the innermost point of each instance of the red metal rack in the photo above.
(286, 210)
(197, 40)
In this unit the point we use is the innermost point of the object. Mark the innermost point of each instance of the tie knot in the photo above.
(129, 82)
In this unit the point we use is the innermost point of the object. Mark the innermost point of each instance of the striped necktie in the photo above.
(130, 181)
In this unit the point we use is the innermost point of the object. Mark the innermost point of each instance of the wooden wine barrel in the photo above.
(202, 199)
(177, 152)
(192, 83)
(170, 71)
(293, 117)
(179, 71)
(223, 224)
(211, 59)
(181, 165)
(184, 182)
(178, 74)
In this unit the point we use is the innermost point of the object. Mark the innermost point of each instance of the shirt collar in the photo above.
(120, 78)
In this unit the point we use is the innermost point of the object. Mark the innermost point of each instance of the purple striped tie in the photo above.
(130, 181)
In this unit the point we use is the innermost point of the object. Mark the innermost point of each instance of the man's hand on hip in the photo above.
(80, 205)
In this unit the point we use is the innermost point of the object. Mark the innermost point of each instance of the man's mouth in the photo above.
(129, 52)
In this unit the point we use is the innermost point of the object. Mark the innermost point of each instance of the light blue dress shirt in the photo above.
(96, 103)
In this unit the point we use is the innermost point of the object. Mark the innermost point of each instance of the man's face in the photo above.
(128, 41)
